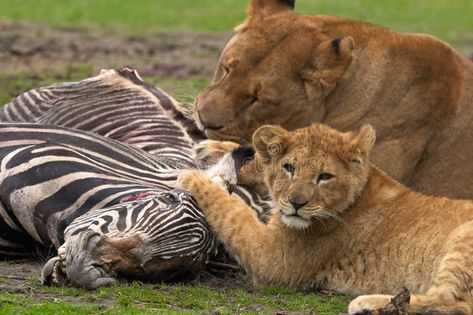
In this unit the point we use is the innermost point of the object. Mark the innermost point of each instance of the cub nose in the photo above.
(297, 203)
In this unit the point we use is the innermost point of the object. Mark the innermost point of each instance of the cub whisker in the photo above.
(324, 213)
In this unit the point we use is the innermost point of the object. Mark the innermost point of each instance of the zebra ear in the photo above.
(270, 141)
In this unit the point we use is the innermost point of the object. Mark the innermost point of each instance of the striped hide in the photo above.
(116, 104)
(53, 176)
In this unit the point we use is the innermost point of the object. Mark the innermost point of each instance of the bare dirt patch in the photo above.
(26, 47)
(35, 47)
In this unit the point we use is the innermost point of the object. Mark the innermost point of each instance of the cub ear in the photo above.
(360, 144)
(270, 141)
(330, 62)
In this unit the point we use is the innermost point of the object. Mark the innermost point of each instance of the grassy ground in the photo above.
(450, 20)
(205, 295)
(138, 298)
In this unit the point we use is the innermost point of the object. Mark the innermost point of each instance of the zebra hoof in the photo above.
(53, 273)
(87, 264)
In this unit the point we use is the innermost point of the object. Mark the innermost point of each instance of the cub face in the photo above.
(277, 69)
(313, 173)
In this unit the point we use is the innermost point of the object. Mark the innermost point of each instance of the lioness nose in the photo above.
(207, 113)
(206, 124)
(297, 203)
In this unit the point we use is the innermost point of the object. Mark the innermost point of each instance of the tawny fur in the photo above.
(292, 70)
(360, 231)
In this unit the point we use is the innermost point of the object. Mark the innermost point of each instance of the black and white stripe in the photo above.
(51, 175)
(115, 104)
(171, 222)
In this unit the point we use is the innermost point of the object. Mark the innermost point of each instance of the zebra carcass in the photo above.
(81, 176)
(54, 179)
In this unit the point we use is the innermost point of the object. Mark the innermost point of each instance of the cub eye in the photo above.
(324, 176)
(289, 167)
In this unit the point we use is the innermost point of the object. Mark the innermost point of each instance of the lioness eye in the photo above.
(221, 73)
(289, 167)
(324, 176)
(225, 70)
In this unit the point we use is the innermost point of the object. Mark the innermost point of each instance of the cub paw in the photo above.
(209, 152)
(368, 304)
(188, 180)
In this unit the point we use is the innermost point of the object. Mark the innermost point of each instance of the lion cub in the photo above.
(342, 224)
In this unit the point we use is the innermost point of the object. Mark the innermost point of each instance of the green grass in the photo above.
(138, 298)
(17, 304)
(450, 20)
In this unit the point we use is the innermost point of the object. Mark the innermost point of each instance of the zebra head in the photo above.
(152, 237)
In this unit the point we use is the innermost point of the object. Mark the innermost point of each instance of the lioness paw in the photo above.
(366, 303)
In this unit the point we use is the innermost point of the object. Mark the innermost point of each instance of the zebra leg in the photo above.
(54, 271)
(225, 172)
(209, 152)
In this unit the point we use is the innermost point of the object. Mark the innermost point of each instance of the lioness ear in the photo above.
(331, 61)
(260, 9)
(360, 144)
(270, 141)
(264, 8)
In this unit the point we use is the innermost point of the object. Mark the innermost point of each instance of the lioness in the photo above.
(289, 69)
(342, 224)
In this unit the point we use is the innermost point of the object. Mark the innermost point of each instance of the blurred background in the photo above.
(173, 44)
